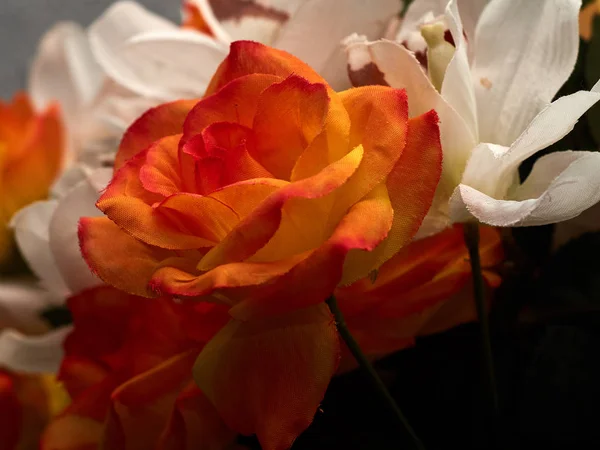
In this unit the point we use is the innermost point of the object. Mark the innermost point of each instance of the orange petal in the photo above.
(247, 57)
(267, 377)
(378, 117)
(236, 102)
(289, 116)
(139, 212)
(40, 154)
(163, 120)
(160, 173)
(256, 229)
(193, 18)
(116, 257)
(140, 407)
(411, 186)
(195, 424)
(364, 227)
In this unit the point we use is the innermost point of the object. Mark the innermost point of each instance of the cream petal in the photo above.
(171, 64)
(560, 186)
(32, 354)
(526, 50)
(457, 87)
(64, 70)
(64, 243)
(21, 302)
(553, 123)
(31, 233)
(111, 31)
(312, 36)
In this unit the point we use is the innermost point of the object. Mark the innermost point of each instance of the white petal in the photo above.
(398, 68)
(457, 87)
(79, 202)
(484, 170)
(587, 221)
(171, 64)
(31, 226)
(553, 123)
(525, 51)
(315, 38)
(560, 186)
(248, 20)
(68, 179)
(32, 354)
(21, 303)
(64, 70)
(109, 33)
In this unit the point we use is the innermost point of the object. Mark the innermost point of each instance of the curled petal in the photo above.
(299, 352)
(246, 57)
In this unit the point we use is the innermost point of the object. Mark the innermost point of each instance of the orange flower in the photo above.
(424, 289)
(128, 361)
(27, 402)
(31, 152)
(128, 368)
(266, 194)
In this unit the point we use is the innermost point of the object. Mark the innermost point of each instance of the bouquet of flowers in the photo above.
(254, 229)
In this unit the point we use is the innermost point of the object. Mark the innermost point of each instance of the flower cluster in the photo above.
(220, 194)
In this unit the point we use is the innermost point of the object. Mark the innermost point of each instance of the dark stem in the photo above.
(471, 233)
(369, 370)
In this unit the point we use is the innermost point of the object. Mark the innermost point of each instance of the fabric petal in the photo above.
(195, 420)
(560, 187)
(411, 186)
(298, 352)
(246, 57)
(108, 251)
(110, 32)
(365, 226)
(516, 42)
(32, 234)
(65, 71)
(314, 38)
(21, 303)
(134, 421)
(79, 202)
(32, 354)
(457, 87)
(164, 64)
(164, 120)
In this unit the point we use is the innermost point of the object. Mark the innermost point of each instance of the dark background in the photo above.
(23, 22)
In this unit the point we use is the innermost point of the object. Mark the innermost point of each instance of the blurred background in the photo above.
(23, 22)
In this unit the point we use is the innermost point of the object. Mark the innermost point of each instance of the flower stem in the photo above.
(369, 370)
(471, 235)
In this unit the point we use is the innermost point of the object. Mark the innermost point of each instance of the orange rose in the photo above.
(128, 360)
(426, 288)
(31, 152)
(266, 195)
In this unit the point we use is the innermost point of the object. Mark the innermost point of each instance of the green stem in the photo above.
(471, 234)
(369, 370)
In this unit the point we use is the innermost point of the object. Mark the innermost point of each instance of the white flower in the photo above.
(495, 108)
(168, 62)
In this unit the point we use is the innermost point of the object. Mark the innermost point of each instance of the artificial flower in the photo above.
(266, 194)
(495, 111)
(31, 156)
(170, 63)
(27, 403)
(128, 362)
(65, 70)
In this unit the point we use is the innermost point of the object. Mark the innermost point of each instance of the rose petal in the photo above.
(299, 352)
